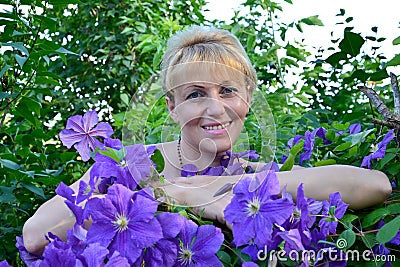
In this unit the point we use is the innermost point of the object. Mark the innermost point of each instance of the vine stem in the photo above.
(396, 94)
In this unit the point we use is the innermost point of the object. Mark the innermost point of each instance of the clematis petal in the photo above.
(121, 198)
(138, 162)
(122, 243)
(117, 260)
(208, 240)
(164, 253)
(144, 234)
(354, 128)
(75, 123)
(90, 119)
(70, 137)
(83, 149)
(189, 170)
(103, 129)
(113, 143)
(94, 255)
(171, 223)
(65, 191)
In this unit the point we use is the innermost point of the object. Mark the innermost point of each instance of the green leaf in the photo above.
(394, 61)
(361, 75)
(353, 151)
(4, 69)
(24, 110)
(19, 46)
(158, 159)
(379, 75)
(4, 95)
(394, 209)
(358, 137)
(369, 240)
(313, 20)
(396, 41)
(349, 218)
(288, 165)
(20, 60)
(350, 238)
(224, 257)
(373, 217)
(62, 50)
(9, 164)
(34, 189)
(351, 43)
(64, 2)
(386, 159)
(325, 162)
(112, 153)
(6, 194)
(335, 58)
(343, 146)
(388, 231)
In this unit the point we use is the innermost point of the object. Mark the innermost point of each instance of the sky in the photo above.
(366, 13)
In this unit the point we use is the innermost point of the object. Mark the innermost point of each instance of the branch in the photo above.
(378, 103)
(390, 124)
(396, 94)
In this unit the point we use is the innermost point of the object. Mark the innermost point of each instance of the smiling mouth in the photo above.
(216, 127)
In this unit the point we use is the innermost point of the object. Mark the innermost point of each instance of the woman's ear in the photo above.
(171, 108)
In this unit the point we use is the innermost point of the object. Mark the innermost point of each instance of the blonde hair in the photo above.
(206, 44)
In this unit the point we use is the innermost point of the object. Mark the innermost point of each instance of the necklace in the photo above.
(178, 148)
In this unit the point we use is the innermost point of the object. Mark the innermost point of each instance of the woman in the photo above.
(208, 80)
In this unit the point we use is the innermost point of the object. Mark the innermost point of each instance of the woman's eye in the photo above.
(228, 90)
(195, 94)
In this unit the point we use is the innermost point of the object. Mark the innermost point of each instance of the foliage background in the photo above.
(62, 57)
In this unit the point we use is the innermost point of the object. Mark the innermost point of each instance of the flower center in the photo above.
(123, 163)
(185, 256)
(295, 215)
(121, 223)
(87, 190)
(253, 207)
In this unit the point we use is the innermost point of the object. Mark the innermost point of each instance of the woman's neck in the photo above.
(201, 158)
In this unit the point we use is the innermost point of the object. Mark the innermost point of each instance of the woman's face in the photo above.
(210, 104)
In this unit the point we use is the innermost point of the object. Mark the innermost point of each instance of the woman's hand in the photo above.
(198, 192)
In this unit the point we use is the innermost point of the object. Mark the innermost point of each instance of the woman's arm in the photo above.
(52, 216)
(358, 187)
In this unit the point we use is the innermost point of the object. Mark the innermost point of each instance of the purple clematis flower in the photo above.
(94, 255)
(165, 251)
(303, 216)
(80, 132)
(85, 190)
(291, 143)
(4, 263)
(123, 221)
(309, 139)
(253, 212)
(329, 223)
(66, 192)
(57, 253)
(129, 171)
(198, 245)
(27, 257)
(249, 264)
(117, 260)
(189, 170)
(354, 128)
(380, 151)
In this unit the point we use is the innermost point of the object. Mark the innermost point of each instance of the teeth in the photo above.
(219, 127)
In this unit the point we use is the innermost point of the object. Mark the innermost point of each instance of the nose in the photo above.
(215, 107)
